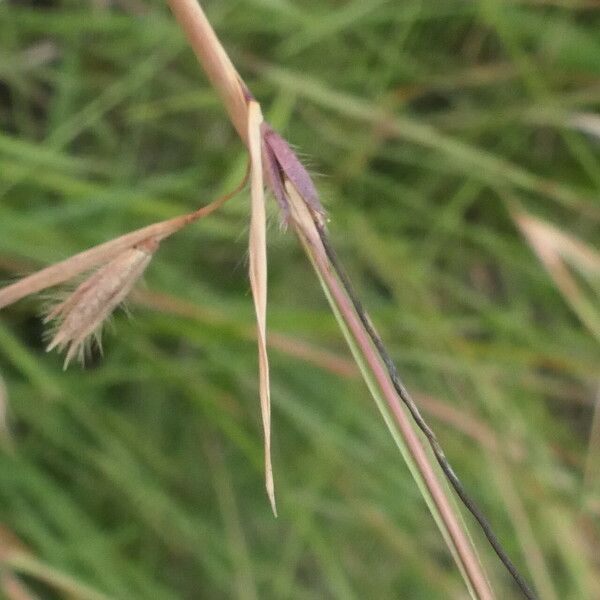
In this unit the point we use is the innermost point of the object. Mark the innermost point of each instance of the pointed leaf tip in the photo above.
(258, 280)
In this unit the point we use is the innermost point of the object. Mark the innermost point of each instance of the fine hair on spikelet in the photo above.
(81, 315)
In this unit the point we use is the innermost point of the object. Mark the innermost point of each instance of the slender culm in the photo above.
(418, 418)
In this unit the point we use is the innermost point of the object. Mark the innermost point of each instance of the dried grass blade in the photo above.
(556, 250)
(258, 280)
(25, 564)
(584, 258)
(588, 123)
(17, 559)
(14, 589)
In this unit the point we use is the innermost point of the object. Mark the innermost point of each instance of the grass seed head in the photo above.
(81, 315)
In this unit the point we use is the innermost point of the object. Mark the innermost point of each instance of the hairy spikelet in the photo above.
(82, 314)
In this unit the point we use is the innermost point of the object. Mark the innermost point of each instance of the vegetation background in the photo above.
(434, 124)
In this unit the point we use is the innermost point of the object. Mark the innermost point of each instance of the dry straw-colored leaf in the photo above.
(11, 587)
(560, 252)
(17, 559)
(258, 280)
(588, 123)
(14, 589)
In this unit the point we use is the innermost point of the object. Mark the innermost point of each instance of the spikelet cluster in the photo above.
(80, 316)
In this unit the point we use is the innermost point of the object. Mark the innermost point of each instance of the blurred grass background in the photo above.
(431, 124)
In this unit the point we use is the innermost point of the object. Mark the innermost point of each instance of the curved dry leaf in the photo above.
(588, 123)
(258, 280)
(558, 251)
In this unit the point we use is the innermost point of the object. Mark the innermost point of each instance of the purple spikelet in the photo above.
(280, 162)
(275, 181)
